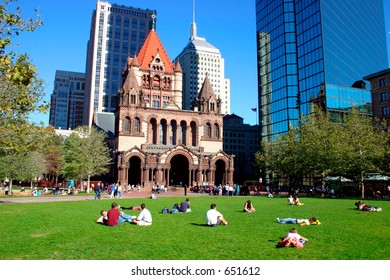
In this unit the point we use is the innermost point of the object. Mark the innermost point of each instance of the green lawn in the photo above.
(67, 231)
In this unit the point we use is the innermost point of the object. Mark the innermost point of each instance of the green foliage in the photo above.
(319, 147)
(67, 231)
(21, 92)
(85, 154)
(20, 88)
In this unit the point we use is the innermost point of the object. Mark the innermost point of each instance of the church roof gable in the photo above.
(151, 47)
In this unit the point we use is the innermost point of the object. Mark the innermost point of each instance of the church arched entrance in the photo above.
(134, 171)
(179, 173)
(220, 170)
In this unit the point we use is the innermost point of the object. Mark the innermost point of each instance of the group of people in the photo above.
(184, 207)
(114, 216)
(293, 239)
(294, 200)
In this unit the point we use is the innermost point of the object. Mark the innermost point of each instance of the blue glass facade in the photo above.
(305, 46)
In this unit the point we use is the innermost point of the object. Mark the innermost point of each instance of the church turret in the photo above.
(206, 100)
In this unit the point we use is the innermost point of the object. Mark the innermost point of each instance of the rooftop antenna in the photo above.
(193, 24)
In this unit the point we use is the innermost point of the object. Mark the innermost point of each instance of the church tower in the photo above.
(157, 142)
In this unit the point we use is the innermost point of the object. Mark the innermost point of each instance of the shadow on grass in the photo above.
(201, 225)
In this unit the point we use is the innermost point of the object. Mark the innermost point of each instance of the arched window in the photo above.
(156, 81)
(137, 124)
(155, 104)
(133, 99)
(173, 134)
(193, 134)
(183, 132)
(216, 131)
(208, 130)
(163, 132)
(153, 131)
(126, 125)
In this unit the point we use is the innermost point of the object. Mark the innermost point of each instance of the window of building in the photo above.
(382, 82)
(385, 111)
(126, 126)
(384, 96)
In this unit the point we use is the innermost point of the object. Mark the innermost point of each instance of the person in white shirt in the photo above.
(214, 218)
(144, 218)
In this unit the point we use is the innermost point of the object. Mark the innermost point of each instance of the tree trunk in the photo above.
(362, 183)
(89, 179)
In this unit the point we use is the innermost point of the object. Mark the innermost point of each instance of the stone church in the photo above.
(158, 142)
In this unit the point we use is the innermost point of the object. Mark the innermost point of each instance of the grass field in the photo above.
(67, 231)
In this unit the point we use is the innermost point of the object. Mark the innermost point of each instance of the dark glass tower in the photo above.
(315, 51)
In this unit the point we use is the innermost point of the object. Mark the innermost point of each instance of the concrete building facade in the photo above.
(380, 92)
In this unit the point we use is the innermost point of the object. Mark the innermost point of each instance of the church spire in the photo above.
(193, 24)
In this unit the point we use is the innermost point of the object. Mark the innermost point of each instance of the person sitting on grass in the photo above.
(114, 216)
(185, 206)
(301, 222)
(293, 239)
(248, 207)
(364, 207)
(144, 218)
(296, 201)
(214, 218)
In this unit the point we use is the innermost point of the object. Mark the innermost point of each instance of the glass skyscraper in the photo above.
(67, 100)
(315, 51)
(116, 32)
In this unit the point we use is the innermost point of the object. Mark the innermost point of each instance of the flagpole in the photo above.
(255, 110)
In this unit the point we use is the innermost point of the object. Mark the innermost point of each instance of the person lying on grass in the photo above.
(293, 239)
(364, 207)
(130, 207)
(301, 222)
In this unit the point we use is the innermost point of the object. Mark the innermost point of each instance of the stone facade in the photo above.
(156, 141)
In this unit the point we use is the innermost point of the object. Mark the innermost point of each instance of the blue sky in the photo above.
(229, 25)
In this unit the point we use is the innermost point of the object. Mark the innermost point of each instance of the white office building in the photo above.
(198, 59)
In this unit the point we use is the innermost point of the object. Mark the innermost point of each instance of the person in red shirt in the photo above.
(114, 217)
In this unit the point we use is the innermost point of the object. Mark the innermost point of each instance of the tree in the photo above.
(85, 154)
(21, 92)
(32, 167)
(283, 156)
(356, 146)
(20, 88)
(363, 147)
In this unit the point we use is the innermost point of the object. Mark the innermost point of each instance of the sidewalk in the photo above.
(54, 198)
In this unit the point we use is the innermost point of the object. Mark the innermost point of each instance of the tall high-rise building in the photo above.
(200, 59)
(115, 32)
(67, 100)
(315, 52)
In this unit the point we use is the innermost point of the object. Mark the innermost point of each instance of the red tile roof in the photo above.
(149, 50)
